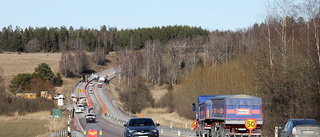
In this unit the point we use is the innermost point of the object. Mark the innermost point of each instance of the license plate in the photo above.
(242, 129)
(307, 132)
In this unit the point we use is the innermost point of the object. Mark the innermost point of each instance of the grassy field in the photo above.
(22, 128)
(13, 64)
(41, 124)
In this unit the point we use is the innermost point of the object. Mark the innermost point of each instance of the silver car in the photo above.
(301, 128)
(90, 117)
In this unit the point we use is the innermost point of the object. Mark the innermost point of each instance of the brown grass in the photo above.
(161, 115)
(14, 63)
(165, 118)
(158, 91)
(22, 128)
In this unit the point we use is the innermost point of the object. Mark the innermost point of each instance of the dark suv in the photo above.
(141, 127)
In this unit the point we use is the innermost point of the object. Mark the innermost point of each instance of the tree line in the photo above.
(277, 60)
(56, 39)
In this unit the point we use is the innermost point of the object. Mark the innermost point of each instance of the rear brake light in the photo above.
(207, 125)
(294, 131)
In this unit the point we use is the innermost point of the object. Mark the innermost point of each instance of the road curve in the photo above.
(109, 127)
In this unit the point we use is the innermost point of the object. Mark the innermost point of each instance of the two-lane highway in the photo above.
(109, 128)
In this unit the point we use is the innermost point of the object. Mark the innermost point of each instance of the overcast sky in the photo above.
(130, 14)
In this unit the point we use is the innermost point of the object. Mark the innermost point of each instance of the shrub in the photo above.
(137, 96)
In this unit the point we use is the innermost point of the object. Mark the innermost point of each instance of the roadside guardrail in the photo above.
(64, 133)
(162, 129)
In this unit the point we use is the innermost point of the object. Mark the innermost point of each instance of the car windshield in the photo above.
(90, 114)
(305, 122)
(141, 122)
(80, 105)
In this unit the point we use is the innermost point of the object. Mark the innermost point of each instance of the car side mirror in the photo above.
(157, 124)
(125, 125)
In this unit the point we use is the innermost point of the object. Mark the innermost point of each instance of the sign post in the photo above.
(251, 124)
(56, 113)
(60, 103)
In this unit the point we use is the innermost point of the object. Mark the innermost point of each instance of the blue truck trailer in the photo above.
(225, 115)
(203, 114)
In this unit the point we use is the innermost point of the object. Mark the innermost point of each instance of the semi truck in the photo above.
(203, 120)
(225, 115)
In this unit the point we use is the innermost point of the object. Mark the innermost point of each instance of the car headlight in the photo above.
(132, 131)
(154, 130)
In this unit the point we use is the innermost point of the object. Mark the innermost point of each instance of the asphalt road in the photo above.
(109, 127)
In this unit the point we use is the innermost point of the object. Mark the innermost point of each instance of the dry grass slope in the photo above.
(13, 64)
(22, 128)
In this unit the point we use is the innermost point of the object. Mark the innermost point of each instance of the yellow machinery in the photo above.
(45, 94)
(26, 95)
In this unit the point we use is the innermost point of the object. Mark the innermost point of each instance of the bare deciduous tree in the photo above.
(130, 62)
(66, 63)
(99, 56)
(33, 45)
(154, 61)
(80, 60)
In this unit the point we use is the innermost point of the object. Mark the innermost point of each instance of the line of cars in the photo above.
(135, 127)
(91, 85)
(80, 108)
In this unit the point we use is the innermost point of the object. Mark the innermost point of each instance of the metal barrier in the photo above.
(162, 129)
(74, 133)
(177, 131)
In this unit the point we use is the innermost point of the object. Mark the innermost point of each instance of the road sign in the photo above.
(56, 113)
(251, 124)
(60, 102)
(194, 125)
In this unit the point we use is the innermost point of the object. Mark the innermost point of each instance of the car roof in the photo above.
(304, 121)
(139, 118)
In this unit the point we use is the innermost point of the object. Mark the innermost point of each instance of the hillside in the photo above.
(14, 63)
